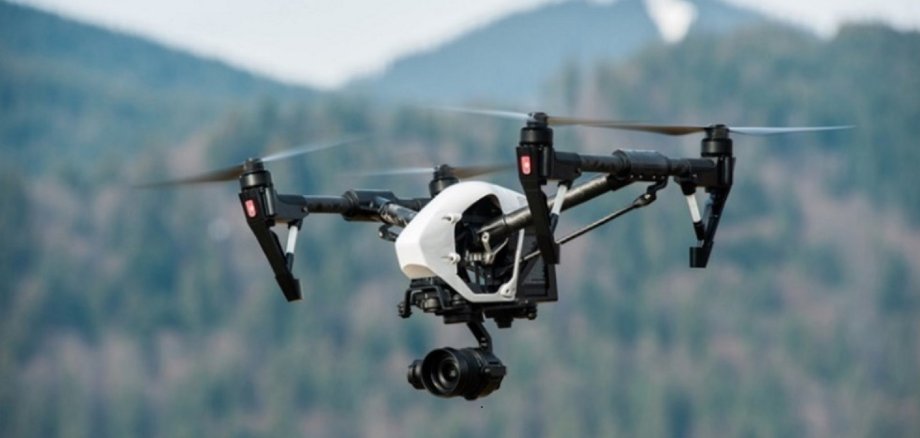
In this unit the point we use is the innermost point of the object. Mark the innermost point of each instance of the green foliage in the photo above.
(866, 77)
(142, 313)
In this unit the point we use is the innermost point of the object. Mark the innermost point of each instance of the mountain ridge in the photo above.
(509, 59)
(57, 72)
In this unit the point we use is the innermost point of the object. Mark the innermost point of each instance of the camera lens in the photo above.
(443, 371)
(446, 372)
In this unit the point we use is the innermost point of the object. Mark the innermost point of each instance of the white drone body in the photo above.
(427, 246)
(462, 247)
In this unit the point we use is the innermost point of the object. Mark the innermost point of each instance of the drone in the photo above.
(474, 250)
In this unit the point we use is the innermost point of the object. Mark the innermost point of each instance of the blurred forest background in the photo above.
(153, 313)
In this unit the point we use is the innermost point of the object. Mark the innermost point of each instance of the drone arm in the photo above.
(640, 165)
(316, 204)
(643, 200)
(714, 172)
(699, 255)
(622, 168)
(354, 205)
(263, 208)
(577, 195)
(705, 225)
(280, 262)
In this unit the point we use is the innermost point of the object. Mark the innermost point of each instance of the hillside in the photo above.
(805, 82)
(510, 59)
(153, 313)
(80, 91)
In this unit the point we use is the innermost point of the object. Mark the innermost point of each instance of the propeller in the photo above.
(234, 172)
(444, 170)
(674, 130)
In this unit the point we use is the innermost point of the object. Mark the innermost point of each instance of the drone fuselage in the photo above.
(431, 244)
(475, 251)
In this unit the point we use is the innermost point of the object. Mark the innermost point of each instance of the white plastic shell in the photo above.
(426, 247)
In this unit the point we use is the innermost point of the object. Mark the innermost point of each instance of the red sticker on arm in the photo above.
(525, 164)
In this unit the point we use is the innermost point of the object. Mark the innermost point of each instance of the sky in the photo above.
(325, 43)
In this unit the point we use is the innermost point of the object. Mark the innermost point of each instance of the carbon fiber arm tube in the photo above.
(644, 165)
(397, 212)
(521, 218)
(622, 168)
(319, 204)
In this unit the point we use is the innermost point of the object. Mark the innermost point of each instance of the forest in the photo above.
(129, 312)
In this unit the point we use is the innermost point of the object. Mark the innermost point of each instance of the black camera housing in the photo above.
(448, 372)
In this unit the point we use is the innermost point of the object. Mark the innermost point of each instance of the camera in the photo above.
(448, 372)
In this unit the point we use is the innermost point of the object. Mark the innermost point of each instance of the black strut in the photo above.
(643, 200)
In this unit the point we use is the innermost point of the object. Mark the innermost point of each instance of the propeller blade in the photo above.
(461, 172)
(691, 129)
(674, 130)
(465, 172)
(572, 121)
(487, 112)
(308, 148)
(234, 172)
(754, 130)
(399, 171)
(227, 174)
(626, 126)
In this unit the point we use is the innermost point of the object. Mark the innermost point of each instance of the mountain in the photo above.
(508, 60)
(154, 313)
(56, 74)
(823, 84)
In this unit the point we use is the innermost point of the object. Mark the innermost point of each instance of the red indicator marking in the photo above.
(250, 208)
(525, 164)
